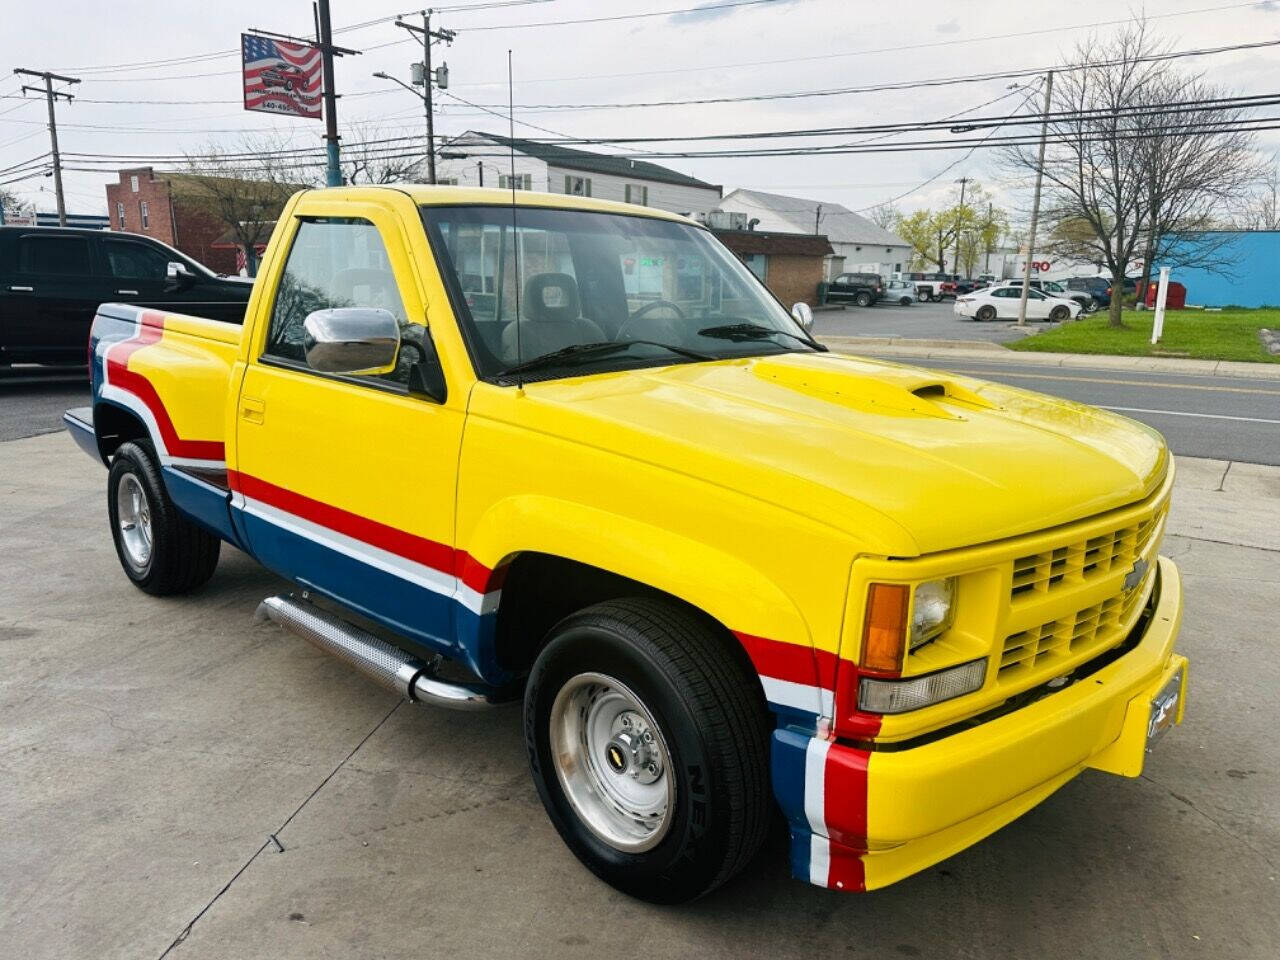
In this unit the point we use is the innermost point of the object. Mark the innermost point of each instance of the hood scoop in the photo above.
(882, 389)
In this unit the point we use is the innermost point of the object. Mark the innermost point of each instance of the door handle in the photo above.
(128, 293)
(23, 289)
(252, 410)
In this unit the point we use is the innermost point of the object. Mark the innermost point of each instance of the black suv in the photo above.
(1097, 287)
(52, 280)
(864, 289)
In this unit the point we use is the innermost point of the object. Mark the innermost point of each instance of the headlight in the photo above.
(932, 608)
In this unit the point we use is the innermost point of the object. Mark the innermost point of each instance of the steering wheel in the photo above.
(644, 312)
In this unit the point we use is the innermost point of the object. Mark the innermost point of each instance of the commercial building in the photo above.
(485, 159)
(857, 244)
(790, 264)
(1238, 267)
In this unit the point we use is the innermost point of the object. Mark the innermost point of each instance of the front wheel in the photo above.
(1059, 314)
(161, 551)
(648, 742)
(985, 312)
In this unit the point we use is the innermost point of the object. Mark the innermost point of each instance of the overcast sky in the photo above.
(705, 53)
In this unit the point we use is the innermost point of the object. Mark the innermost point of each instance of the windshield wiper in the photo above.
(744, 332)
(567, 356)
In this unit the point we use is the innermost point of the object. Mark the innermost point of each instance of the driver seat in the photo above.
(551, 320)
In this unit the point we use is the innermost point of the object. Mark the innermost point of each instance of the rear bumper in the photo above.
(867, 818)
(79, 423)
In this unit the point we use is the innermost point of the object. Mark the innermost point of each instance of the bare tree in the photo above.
(11, 204)
(884, 215)
(367, 158)
(245, 189)
(1123, 165)
(1259, 207)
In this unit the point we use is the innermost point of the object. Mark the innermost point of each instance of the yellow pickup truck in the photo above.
(524, 445)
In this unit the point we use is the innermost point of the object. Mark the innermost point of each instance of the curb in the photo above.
(995, 353)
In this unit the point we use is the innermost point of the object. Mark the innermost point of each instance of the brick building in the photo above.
(790, 264)
(169, 207)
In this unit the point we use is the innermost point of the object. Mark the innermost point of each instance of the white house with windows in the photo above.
(484, 159)
(858, 244)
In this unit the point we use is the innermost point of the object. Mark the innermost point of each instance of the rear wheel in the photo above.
(863, 299)
(985, 312)
(648, 742)
(160, 550)
(922, 296)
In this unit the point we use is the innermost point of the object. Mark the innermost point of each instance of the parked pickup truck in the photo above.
(724, 568)
(53, 278)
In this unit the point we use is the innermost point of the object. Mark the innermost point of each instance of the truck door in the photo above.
(51, 298)
(345, 484)
(139, 274)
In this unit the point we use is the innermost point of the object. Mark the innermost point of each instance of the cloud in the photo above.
(951, 26)
(716, 10)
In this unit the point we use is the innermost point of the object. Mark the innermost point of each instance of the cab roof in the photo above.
(436, 196)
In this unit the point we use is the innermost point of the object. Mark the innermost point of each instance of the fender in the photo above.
(797, 677)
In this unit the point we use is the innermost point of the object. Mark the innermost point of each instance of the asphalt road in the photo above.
(32, 400)
(927, 321)
(1224, 418)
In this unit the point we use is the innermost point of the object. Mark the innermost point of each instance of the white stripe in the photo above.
(800, 696)
(1183, 413)
(815, 792)
(819, 860)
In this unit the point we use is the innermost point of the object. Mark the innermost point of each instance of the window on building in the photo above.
(54, 256)
(637, 193)
(523, 181)
(337, 262)
(133, 184)
(577, 186)
(129, 260)
(447, 181)
(757, 263)
(120, 213)
(144, 213)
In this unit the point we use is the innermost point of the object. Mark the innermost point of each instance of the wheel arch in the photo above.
(114, 425)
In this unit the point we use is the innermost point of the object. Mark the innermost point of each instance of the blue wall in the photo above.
(1249, 271)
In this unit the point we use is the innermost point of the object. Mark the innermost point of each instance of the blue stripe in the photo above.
(201, 502)
(787, 770)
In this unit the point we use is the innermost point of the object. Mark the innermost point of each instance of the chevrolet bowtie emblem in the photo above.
(1136, 575)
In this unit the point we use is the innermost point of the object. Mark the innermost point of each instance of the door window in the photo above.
(135, 261)
(54, 256)
(338, 262)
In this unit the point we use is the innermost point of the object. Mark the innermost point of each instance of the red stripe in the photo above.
(151, 328)
(476, 575)
(429, 553)
(845, 790)
(798, 663)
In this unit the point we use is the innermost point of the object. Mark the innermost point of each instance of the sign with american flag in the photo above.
(281, 77)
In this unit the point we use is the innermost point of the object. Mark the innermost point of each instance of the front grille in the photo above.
(1083, 560)
(1090, 631)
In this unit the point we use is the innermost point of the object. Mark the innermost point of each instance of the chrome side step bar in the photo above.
(387, 665)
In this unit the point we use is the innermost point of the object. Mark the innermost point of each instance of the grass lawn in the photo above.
(1229, 335)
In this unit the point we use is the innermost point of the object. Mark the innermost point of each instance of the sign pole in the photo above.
(333, 172)
(1157, 327)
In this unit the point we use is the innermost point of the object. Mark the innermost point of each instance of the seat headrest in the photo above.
(551, 297)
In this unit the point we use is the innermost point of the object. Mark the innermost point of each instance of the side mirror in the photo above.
(363, 340)
(178, 275)
(802, 315)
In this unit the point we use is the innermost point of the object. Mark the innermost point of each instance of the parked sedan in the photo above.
(1002, 303)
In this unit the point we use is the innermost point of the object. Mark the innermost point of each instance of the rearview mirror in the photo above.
(802, 314)
(354, 340)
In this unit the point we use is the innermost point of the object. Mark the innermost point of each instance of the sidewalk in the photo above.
(988, 352)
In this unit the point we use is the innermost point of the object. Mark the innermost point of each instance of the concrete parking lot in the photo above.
(924, 321)
(180, 781)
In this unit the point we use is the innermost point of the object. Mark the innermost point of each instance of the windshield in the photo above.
(663, 292)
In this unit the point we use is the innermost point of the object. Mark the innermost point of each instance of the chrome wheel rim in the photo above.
(612, 762)
(133, 517)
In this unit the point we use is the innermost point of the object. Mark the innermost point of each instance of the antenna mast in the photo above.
(515, 233)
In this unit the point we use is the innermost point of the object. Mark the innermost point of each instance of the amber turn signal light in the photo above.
(884, 634)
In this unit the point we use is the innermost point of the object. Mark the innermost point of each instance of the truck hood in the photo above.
(907, 461)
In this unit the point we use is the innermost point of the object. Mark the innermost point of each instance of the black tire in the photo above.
(905, 302)
(863, 299)
(985, 312)
(922, 296)
(1059, 314)
(182, 554)
(710, 713)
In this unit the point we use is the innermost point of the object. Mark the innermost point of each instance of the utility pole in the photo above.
(1035, 204)
(51, 97)
(817, 218)
(333, 172)
(987, 267)
(955, 261)
(429, 78)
